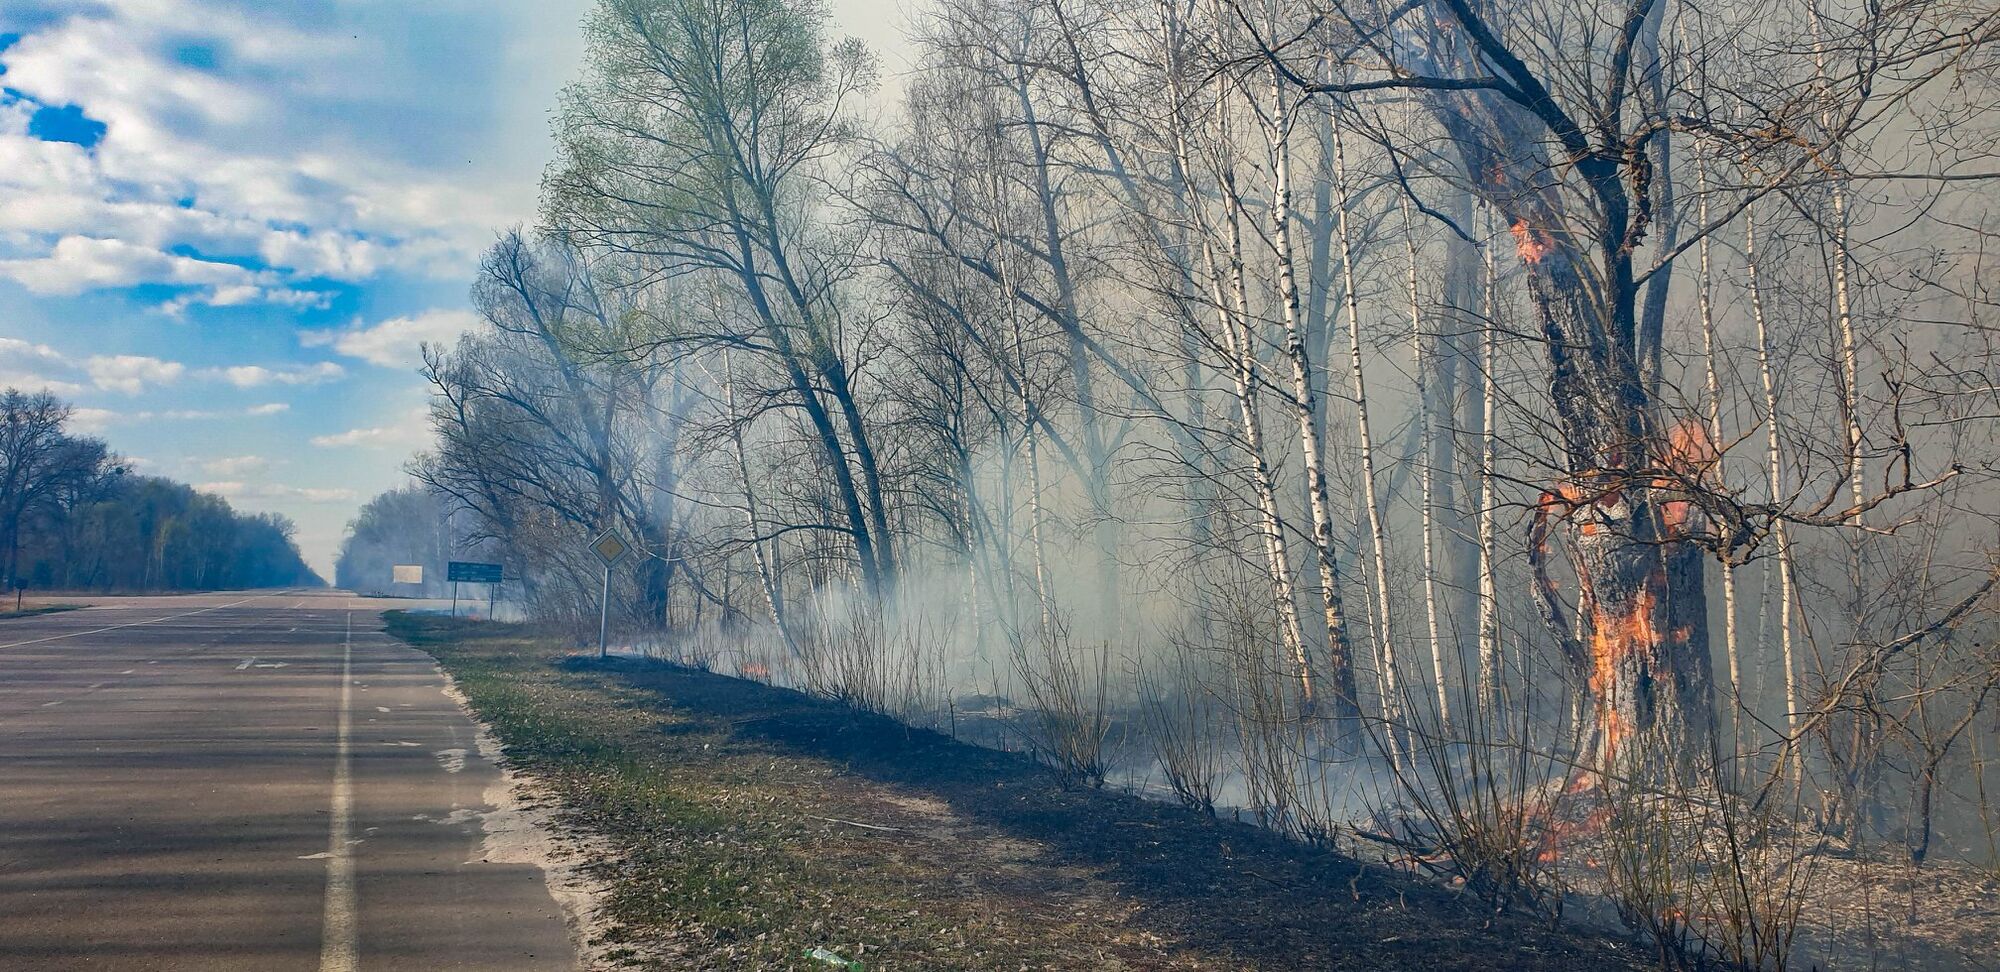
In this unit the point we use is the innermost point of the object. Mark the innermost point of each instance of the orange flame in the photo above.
(756, 671)
(1616, 635)
(1692, 455)
(1530, 243)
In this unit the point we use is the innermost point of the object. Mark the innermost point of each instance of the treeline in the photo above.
(74, 517)
(408, 525)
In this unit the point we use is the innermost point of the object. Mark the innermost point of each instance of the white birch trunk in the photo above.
(1304, 396)
(1774, 458)
(1489, 593)
(1705, 304)
(765, 578)
(1425, 475)
(1378, 540)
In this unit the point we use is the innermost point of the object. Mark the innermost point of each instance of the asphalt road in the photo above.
(247, 782)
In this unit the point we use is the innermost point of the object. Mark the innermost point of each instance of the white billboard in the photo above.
(409, 573)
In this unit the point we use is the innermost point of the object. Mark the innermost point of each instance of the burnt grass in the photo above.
(745, 824)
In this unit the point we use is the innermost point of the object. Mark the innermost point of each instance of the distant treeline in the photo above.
(73, 516)
(409, 525)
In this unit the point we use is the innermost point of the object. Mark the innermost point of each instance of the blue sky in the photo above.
(226, 226)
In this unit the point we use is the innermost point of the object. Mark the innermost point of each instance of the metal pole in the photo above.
(604, 613)
(454, 599)
(492, 598)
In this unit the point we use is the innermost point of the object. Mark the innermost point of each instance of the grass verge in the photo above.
(748, 824)
(39, 611)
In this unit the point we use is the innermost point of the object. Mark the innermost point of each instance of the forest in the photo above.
(408, 525)
(1549, 446)
(74, 517)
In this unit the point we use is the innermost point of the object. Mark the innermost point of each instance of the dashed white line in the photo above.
(246, 663)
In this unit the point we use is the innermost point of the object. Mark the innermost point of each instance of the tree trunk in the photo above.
(1340, 659)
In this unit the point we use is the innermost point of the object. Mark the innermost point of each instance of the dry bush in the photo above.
(1704, 874)
(699, 648)
(1068, 714)
(858, 654)
(1486, 798)
(1491, 808)
(1295, 775)
(1180, 716)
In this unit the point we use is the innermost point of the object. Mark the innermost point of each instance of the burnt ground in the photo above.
(750, 823)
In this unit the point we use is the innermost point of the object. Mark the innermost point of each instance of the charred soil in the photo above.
(747, 824)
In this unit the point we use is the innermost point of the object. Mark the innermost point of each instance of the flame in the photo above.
(756, 671)
(1692, 455)
(1614, 636)
(1565, 829)
(1530, 243)
(1689, 449)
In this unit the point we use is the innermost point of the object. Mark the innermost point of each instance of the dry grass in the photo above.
(750, 823)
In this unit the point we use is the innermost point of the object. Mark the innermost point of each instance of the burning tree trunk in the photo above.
(1574, 183)
(1640, 586)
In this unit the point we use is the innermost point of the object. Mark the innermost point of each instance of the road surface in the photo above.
(259, 782)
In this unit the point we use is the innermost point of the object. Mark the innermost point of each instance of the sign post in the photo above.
(474, 572)
(610, 548)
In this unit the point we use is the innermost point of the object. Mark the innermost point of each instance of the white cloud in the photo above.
(25, 364)
(98, 418)
(241, 295)
(300, 148)
(380, 437)
(80, 263)
(238, 489)
(257, 376)
(36, 367)
(339, 494)
(131, 373)
(396, 342)
(235, 465)
(92, 419)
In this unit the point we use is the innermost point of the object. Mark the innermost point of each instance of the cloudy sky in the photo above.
(226, 225)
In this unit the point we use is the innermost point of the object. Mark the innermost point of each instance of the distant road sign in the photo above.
(473, 572)
(407, 573)
(610, 547)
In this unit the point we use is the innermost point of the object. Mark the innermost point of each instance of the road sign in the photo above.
(407, 573)
(610, 547)
(473, 572)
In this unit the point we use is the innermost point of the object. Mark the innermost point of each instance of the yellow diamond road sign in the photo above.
(610, 547)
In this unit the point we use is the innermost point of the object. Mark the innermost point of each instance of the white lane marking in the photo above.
(246, 663)
(56, 702)
(381, 708)
(132, 624)
(272, 664)
(338, 935)
(453, 760)
(128, 671)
